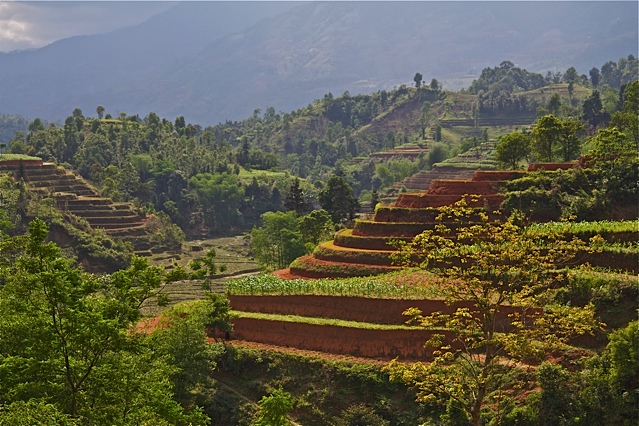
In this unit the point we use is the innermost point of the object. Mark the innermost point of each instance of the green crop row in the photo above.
(399, 285)
(321, 321)
(13, 157)
(599, 227)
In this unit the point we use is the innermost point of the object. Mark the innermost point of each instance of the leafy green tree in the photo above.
(374, 199)
(594, 76)
(500, 264)
(316, 227)
(360, 415)
(552, 136)
(554, 104)
(67, 341)
(100, 111)
(571, 75)
(615, 167)
(337, 198)
(418, 80)
(295, 200)
(182, 340)
(279, 241)
(438, 133)
(627, 120)
(512, 148)
(436, 154)
(274, 409)
(221, 195)
(32, 412)
(592, 109)
(206, 266)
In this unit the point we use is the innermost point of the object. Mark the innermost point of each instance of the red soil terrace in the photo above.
(366, 247)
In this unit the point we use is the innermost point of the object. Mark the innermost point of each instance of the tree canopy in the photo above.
(489, 264)
(67, 350)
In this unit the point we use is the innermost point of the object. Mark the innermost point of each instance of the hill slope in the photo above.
(217, 61)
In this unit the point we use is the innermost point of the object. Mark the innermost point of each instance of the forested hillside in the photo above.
(546, 339)
(224, 177)
(217, 61)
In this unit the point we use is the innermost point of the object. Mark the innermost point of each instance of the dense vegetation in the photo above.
(226, 176)
(70, 352)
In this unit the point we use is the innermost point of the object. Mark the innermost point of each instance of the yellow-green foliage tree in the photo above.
(490, 265)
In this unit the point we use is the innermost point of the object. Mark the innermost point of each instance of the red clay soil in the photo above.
(286, 274)
(378, 344)
(420, 200)
(360, 309)
(549, 167)
(498, 175)
(461, 187)
(148, 325)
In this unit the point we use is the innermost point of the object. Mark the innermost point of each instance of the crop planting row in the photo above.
(398, 285)
(308, 266)
(611, 231)
(331, 252)
(345, 238)
(369, 228)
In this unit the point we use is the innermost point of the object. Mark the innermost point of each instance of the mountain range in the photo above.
(217, 61)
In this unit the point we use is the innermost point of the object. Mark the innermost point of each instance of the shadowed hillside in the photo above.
(289, 60)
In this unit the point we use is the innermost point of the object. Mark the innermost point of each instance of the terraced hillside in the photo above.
(356, 326)
(460, 167)
(75, 196)
(367, 248)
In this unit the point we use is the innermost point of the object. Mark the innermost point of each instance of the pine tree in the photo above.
(295, 200)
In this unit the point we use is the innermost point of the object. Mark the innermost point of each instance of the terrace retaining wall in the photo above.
(380, 344)
(360, 309)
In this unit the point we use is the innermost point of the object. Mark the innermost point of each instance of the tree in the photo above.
(100, 111)
(615, 165)
(570, 143)
(554, 104)
(592, 109)
(553, 136)
(360, 415)
(571, 90)
(279, 241)
(512, 148)
(67, 340)
(486, 266)
(418, 80)
(571, 75)
(627, 120)
(182, 340)
(435, 85)
(274, 409)
(338, 200)
(316, 227)
(295, 200)
(594, 76)
(222, 195)
(436, 154)
(438, 133)
(374, 199)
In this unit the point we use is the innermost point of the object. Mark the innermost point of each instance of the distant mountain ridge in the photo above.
(215, 61)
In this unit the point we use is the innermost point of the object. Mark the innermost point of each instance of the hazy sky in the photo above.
(25, 25)
(30, 24)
